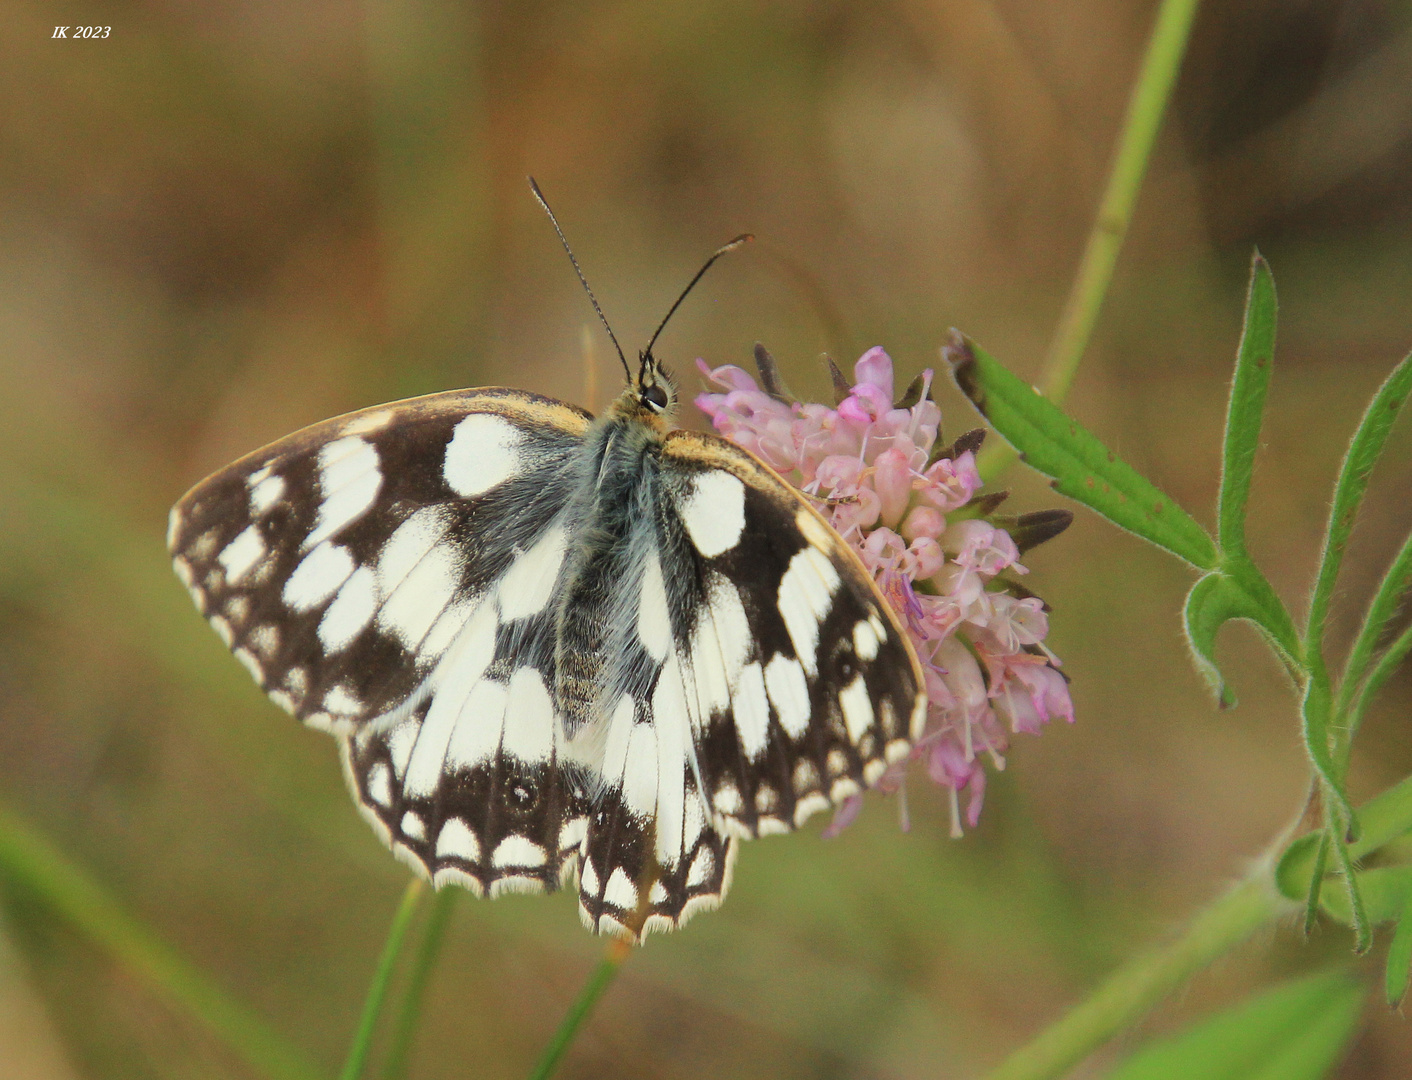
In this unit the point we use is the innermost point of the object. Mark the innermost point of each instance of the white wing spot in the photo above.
(474, 707)
(805, 597)
(873, 770)
(317, 577)
(865, 640)
(766, 799)
(223, 630)
(183, 571)
(727, 799)
(237, 608)
(654, 621)
(789, 691)
(380, 784)
(373, 421)
(401, 740)
(252, 664)
(528, 584)
(806, 776)
(752, 711)
(714, 512)
(265, 492)
(457, 841)
(702, 867)
(857, 708)
(349, 481)
(413, 826)
(621, 892)
(484, 451)
(837, 763)
(808, 806)
(476, 736)
(640, 772)
(242, 553)
(417, 576)
(572, 834)
(814, 530)
(350, 611)
(529, 717)
(589, 882)
(341, 701)
(518, 851)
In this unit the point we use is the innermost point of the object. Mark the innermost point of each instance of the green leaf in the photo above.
(1236, 591)
(1080, 465)
(1399, 958)
(1294, 1032)
(1383, 818)
(1363, 453)
(1385, 891)
(1254, 360)
(1381, 612)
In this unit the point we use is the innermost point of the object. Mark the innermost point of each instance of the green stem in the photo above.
(1137, 987)
(1148, 103)
(409, 1013)
(29, 859)
(1146, 107)
(598, 981)
(377, 992)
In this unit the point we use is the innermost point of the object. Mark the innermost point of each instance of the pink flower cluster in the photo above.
(911, 510)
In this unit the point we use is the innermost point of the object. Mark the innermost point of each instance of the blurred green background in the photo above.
(229, 220)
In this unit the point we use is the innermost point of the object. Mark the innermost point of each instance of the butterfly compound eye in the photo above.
(654, 397)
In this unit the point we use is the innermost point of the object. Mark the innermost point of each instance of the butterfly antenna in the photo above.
(591, 298)
(743, 238)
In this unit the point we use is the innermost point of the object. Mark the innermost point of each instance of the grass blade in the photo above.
(377, 990)
(409, 1012)
(30, 860)
(598, 981)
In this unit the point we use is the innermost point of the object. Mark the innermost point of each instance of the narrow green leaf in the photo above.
(1363, 453)
(599, 980)
(1390, 661)
(409, 1012)
(377, 990)
(1381, 612)
(1357, 914)
(1254, 360)
(30, 860)
(1385, 891)
(1295, 1032)
(1383, 818)
(1399, 957)
(1080, 465)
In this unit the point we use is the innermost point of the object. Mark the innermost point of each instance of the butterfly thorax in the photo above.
(611, 521)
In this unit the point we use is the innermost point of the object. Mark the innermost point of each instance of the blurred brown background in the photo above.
(228, 220)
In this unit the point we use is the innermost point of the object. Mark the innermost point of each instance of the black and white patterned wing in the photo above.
(760, 677)
(381, 574)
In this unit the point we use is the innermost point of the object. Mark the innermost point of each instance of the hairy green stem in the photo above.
(29, 860)
(409, 1012)
(377, 991)
(1142, 983)
(1146, 107)
(598, 981)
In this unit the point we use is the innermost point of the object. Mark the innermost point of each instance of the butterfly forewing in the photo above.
(339, 562)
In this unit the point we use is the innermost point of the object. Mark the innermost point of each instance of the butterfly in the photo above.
(555, 648)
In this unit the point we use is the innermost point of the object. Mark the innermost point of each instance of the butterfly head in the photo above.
(653, 387)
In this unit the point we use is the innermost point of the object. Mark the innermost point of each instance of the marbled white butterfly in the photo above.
(552, 646)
